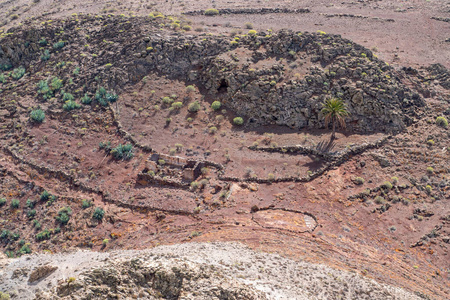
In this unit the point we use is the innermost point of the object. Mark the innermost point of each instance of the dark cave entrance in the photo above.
(223, 87)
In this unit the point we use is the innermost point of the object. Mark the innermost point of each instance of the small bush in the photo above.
(430, 170)
(71, 105)
(59, 45)
(15, 203)
(238, 121)
(63, 216)
(211, 12)
(429, 189)
(67, 97)
(86, 99)
(37, 115)
(442, 122)
(177, 105)
(2, 78)
(379, 200)
(98, 213)
(194, 107)
(216, 105)
(2, 201)
(18, 73)
(394, 180)
(358, 180)
(190, 89)
(86, 204)
(24, 250)
(249, 25)
(56, 84)
(252, 32)
(123, 151)
(43, 235)
(36, 224)
(43, 42)
(386, 185)
(45, 196)
(46, 55)
(31, 214)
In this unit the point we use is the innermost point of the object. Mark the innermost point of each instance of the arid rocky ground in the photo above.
(374, 202)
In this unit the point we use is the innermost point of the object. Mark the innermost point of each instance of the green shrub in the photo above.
(177, 105)
(5, 66)
(379, 200)
(190, 89)
(86, 204)
(167, 100)
(51, 200)
(15, 203)
(43, 235)
(63, 216)
(45, 196)
(249, 25)
(2, 78)
(2, 201)
(442, 122)
(429, 189)
(31, 214)
(216, 105)
(44, 90)
(98, 213)
(211, 12)
(5, 235)
(43, 42)
(67, 97)
(18, 73)
(394, 180)
(194, 107)
(252, 32)
(30, 204)
(46, 55)
(387, 185)
(238, 121)
(86, 99)
(358, 180)
(37, 115)
(71, 105)
(59, 45)
(56, 84)
(36, 224)
(103, 97)
(123, 151)
(111, 97)
(430, 170)
(25, 250)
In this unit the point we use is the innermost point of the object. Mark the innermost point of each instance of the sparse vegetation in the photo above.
(442, 122)
(211, 12)
(216, 105)
(37, 115)
(194, 107)
(123, 151)
(238, 121)
(18, 73)
(98, 213)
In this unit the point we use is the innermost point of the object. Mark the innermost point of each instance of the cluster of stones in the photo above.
(375, 97)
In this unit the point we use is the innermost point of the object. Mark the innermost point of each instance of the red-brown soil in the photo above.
(320, 220)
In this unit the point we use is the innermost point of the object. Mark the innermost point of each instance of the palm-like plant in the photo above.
(334, 111)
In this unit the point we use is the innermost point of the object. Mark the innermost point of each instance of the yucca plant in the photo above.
(334, 111)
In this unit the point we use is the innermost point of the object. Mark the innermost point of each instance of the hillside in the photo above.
(125, 132)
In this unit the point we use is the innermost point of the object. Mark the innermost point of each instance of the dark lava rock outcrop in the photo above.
(281, 78)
